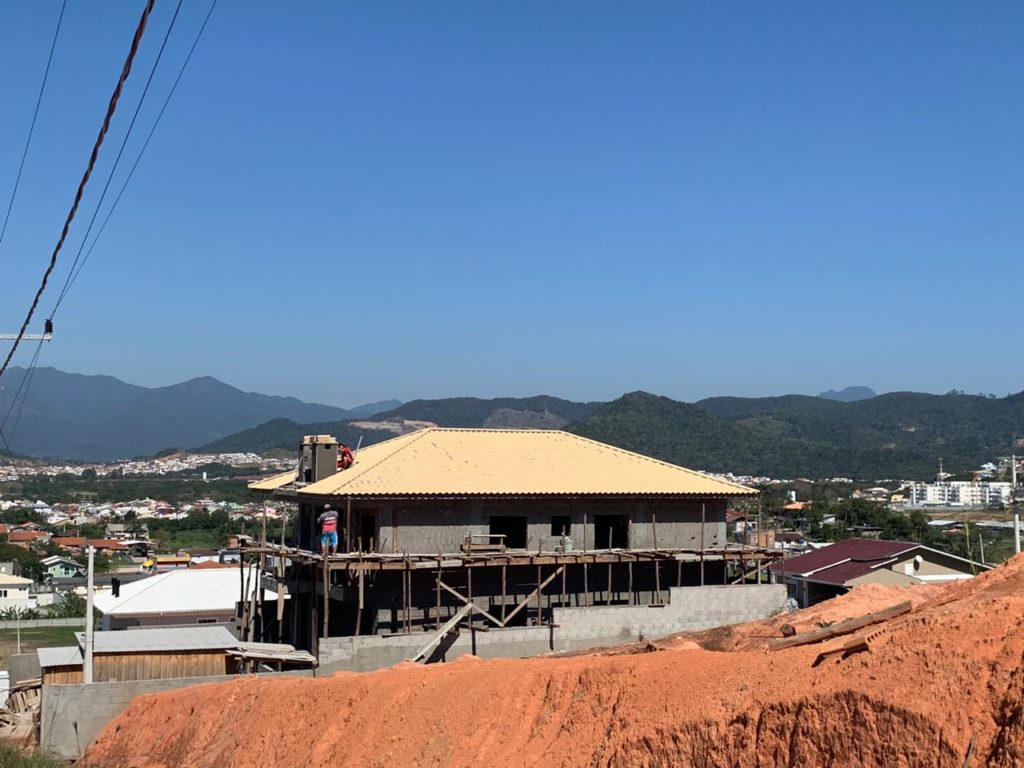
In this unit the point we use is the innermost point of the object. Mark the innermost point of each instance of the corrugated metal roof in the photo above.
(496, 462)
(274, 482)
(163, 639)
(180, 591)
(60, 656)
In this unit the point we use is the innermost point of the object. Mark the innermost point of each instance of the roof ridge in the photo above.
(413, 438)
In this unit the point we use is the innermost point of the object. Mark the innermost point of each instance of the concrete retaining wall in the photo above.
(73, 715)
(576, 628)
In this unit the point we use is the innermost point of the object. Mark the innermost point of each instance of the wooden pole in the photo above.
(586, 586)
(348, 524)
(657, 578)
(314, 642)
(632, 601)
(408, 602)
(280, 560)
(503, 583)
(679, 573)
(280, 611)
(540, 604)
(405, 597)
(359, 605)
(263, 533)
(327, 595)
(702, 520)
(469, 592)
(438, 618)
(609, 601)
(259, 582)
(563, 587)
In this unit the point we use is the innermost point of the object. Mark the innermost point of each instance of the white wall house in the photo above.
(14, 592)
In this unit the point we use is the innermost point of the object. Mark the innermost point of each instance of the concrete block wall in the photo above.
(428, 527)
(370, 652)
(688, 608)
(74, 715)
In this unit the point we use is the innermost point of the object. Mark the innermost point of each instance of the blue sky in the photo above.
(354, 201)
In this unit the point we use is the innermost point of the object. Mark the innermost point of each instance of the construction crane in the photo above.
(46, 335)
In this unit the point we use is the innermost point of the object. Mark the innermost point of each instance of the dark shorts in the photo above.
(329, 539)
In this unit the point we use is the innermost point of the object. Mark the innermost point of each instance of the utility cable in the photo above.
(120, 152)
(23, 390)
(24, 380)
(28, 386)
(32, 125)
(135, 165)
(111, 108)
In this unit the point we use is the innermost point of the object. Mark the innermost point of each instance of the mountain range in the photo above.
(895, 435)
(101, 418)
(871, 437)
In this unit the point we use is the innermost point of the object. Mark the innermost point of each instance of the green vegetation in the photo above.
(899, 435)
(200, 530)
(12, 758)
(32, 638)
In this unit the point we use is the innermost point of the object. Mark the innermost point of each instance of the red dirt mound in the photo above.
(936, 684)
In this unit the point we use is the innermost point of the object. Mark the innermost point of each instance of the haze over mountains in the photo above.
(100, 418)
(848, 433)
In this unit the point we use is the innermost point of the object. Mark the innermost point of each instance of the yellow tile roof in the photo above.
(274, 482)
(495, 462)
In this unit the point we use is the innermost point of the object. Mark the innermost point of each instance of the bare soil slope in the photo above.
(936, 684)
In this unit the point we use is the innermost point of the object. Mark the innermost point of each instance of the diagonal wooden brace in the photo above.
(473, 608)
(530, 596)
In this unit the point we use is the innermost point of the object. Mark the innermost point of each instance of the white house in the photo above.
(14, 592)
(179, 597)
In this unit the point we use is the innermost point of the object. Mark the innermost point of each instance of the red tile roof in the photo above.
(850, 559)
(69, 541)
(27, 535)
(107, 544)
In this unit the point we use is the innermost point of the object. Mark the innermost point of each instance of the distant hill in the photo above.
(540, 412)
(284, 434)
(849, 394)
(102, 418)
(372, 409)
(475, 412)
(899, 434)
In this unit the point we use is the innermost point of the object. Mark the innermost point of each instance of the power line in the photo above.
(120, 152)
(145, 144)
(28, 386)
(21, 386)
(23, 390)
(32, 125)
(111, 108)
(26, 383)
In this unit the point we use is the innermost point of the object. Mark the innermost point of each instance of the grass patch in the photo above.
(32, 638)
(12, 758)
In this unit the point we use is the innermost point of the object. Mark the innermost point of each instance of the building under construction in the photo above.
(490, 530)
